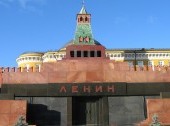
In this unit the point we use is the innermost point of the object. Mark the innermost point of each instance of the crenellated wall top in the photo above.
(85, 71)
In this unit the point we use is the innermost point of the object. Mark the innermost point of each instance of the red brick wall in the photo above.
(11, 110)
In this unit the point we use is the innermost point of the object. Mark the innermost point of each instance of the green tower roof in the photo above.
(84, 31)
(83, 10)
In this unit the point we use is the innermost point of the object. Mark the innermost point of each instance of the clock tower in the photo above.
(83, 35)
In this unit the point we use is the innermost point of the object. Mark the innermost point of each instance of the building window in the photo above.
(85, 53)
(91, 53)
(71, 54)
(98, 53)
(161, 63)
(78, 53)
(122, 55)
(140, 63)
(129, 55)
(130, 63)
(37, 65)
(125, 55)
(150, 63)
(27, 67)
(86, 19)
(81, 19)
(107, 55)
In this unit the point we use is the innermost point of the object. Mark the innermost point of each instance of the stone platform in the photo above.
(160, 107)
(11, 110)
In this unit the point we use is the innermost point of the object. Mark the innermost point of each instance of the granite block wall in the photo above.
(127, 111)
(53, 111)
(46, 111)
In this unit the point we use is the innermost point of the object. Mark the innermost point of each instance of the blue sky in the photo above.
(42, 25)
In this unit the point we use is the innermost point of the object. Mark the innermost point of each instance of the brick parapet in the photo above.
(80, 71)
(118, 66)
(18, 70)
(149, 68)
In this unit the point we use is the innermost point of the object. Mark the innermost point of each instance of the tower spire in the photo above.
(83, 2)
(83, 10)
(83, 33)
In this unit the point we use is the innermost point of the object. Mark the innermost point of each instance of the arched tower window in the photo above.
(80, 39)
(86, 19)
(87, 39)
(81, 19)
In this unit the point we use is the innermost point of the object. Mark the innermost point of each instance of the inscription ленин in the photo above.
(87, 89)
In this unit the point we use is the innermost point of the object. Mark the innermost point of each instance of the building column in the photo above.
(88, 53)
(95, 53)
(75, 53)
(82, 53)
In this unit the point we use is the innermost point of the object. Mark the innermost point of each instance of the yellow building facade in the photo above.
(134, 57)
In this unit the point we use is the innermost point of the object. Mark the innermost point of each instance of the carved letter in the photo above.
(110, 88)
(86, 88)
(74, 89)
(63, 89)
(99, 89)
